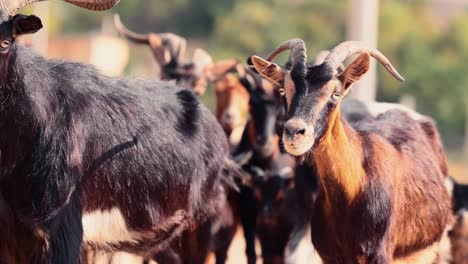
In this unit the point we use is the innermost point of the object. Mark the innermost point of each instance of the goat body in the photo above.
(378, 203)
(137, 160)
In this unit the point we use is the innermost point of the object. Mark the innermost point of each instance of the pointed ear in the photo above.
(355, 71)
(270, 71)
(25, 25)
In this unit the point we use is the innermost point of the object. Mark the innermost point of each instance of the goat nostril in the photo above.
(300, 131)
(294, 131)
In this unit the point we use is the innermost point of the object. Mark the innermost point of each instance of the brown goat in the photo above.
(232, 99)
(382, 197)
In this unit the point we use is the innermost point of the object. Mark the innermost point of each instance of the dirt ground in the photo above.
(236, 254)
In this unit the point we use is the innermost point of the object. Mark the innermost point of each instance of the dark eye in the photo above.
(282, 91)
(336, 96)
(5, 44)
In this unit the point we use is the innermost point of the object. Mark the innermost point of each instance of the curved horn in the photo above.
(348, 48)
(298, 51)
(130, 35)
(12, 6)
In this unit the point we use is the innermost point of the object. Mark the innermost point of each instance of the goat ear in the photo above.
(25, 25)
(355, 71)
(270, 71)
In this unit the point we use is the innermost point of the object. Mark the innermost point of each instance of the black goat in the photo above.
(283, 195)
(119, 163)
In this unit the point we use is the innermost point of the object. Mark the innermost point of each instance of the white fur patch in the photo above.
(303, 253)
(449, 185)
(107, 226)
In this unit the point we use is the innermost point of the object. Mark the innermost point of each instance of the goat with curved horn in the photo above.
(169, 51)
(12, 6)
(385, 174)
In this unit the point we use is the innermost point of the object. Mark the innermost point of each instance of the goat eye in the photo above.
(336, 96)
(282, 91)
(5, 44)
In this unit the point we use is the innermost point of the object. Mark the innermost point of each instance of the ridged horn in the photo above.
(298, 51)
(127, 33)
(348, 48)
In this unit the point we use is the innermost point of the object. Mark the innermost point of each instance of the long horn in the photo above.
(298, 51)
(12, 6)
(130, 35)
(348, 48)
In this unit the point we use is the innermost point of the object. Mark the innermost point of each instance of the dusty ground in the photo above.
(236, 254)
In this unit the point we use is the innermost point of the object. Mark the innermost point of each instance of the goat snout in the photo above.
(230, 117)
(298, 137)
(295, 129)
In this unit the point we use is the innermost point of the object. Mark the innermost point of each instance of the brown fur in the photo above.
(230, 93)
(420, 203)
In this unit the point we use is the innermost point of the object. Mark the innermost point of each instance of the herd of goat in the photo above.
(93, 165)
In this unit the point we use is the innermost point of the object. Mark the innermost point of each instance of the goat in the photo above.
(217, 233)
(232, 107)
(382, 195)
(119, 164)
(261, 139)
(283, 196)
(169, 51)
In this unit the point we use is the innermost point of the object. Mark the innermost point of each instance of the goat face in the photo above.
(311, 95)
(9, 30)
(270, 188)
(266, 113)
(232, 98)
(232, 103)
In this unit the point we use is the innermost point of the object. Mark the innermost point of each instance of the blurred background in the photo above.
(426, 40)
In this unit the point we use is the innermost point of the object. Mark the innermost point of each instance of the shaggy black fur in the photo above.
(74, 141)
